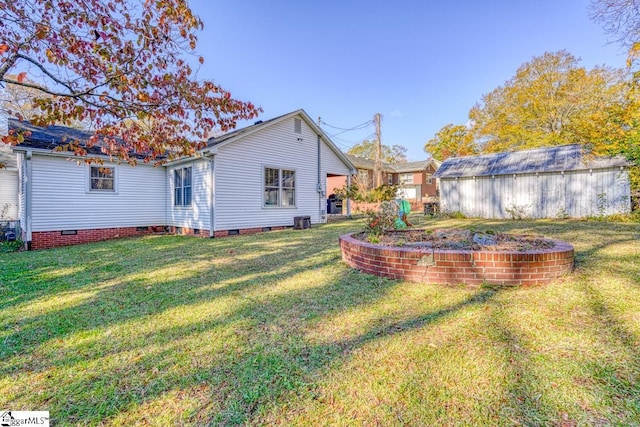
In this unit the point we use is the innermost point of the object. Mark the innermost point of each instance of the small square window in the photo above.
(102, 178)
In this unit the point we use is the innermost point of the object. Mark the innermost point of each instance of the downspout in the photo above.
(321, 201)
(27, 197)
(212, 205)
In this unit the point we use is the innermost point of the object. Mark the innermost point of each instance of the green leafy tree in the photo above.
(451, 141)
(621, 20)
(390, 154)
(122, 67)
(550, 101)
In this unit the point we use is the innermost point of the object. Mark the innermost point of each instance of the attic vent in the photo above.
(297, 126)
(258, 122)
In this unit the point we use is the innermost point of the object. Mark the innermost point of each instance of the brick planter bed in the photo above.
(459, 266)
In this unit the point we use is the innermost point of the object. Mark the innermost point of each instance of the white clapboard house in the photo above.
(262, 177)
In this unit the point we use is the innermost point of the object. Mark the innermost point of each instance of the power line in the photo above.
(350, 142)
(357, 127)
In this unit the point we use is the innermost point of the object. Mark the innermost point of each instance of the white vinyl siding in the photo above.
(198, 213)
(60, 200)
(8, 195)
(239, 185)
(546, 195)
(8, 179)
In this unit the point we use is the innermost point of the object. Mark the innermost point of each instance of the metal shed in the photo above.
(549, 182)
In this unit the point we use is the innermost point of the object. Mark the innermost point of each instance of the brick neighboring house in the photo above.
(415, 179)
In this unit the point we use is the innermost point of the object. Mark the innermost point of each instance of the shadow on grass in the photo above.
(618, 381)
(252, 356)
(524, 404)
(237, 361)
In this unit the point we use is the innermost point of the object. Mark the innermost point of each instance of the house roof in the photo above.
(548, 159)
(48, 137)
(229, 137)
(416, 166)
(363, 163)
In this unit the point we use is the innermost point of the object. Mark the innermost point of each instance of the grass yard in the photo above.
(274, 329)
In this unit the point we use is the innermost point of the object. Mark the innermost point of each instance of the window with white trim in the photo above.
(102, 178)
(406, 178)
(297, 126)
(279, 187)
(182, 187)
(430, 179)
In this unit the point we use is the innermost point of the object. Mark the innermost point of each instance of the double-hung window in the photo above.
(406, 178)
(279, 187)
(182, 187)
(102, 178)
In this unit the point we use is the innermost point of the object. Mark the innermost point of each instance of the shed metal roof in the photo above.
(548, 159)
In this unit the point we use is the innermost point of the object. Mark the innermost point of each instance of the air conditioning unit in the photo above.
(301, 222)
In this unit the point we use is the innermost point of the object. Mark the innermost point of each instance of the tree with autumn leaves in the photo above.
(122, 68)
(551, 100)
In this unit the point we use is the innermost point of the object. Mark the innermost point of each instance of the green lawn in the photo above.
(274, 329)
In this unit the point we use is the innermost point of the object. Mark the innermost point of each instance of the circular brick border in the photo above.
(459, 266)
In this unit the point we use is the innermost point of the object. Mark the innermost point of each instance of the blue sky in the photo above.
(421, 64)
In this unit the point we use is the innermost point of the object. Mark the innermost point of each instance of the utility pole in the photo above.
(377, 166)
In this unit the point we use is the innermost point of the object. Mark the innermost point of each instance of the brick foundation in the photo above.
(453, 267)
(52, 239)
(185, 231)
(243, 231)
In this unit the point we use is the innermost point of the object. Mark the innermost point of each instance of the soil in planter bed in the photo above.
(459, 239)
